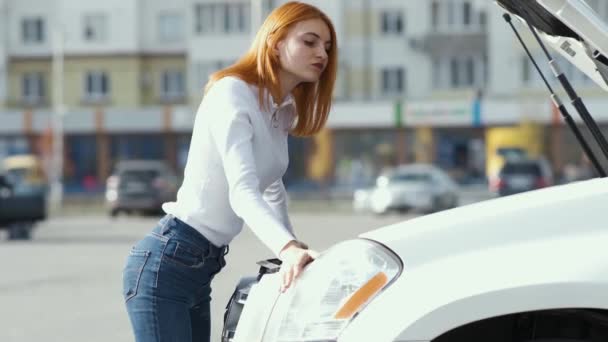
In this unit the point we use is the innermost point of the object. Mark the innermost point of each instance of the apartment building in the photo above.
(417, 80)
(3, 53)
(124, 69)
(117, 53)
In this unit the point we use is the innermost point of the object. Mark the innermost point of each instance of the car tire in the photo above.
(455, 202)
(114, 212)
(435, 206)
(20, 231)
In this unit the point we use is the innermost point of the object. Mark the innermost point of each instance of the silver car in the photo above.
(140, 186)
(420, 187)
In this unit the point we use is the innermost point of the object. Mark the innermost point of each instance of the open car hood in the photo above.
(570, 27)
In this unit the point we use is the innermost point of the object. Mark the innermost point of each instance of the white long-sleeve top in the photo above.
(237, 158)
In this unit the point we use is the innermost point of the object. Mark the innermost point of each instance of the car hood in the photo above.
(552, 213)
(571, 28)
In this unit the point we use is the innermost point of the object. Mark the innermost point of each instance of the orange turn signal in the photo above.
(361, 296)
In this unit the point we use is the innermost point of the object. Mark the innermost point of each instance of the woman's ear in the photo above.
(274, 47)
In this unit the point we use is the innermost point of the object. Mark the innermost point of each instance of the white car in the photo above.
(528, 267)
(420, 187)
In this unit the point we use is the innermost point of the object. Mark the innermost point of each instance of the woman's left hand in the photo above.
(295, 258)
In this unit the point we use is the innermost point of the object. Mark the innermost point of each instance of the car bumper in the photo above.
(142, 203)
(405, 202)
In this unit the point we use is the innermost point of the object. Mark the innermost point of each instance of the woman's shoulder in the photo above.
(231, 85)
(231, 96)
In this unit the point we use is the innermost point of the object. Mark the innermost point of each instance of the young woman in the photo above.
(238, 155)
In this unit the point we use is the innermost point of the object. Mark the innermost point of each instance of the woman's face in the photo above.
(303, 53)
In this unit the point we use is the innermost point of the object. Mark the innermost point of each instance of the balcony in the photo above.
(442, 43)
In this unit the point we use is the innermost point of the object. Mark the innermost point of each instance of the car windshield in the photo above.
(512, 153)
(410, 177)
(145, 176)
(16, 176)
(521, 168)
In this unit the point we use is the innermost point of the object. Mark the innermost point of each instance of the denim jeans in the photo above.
(166, 283)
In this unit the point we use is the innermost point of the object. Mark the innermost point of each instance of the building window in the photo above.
(170, 27)
(451, 13)
(221, 18)
(97, 86)
(393, 80)
(456, 15)
(464, 72)
(392, 22)
(466, 13)
(172, 85)
(469, 71)
(454, 72)
(95, 27)
(32, 90)
(483, 19)
(435, 14)
(32, 30)
(436, 73)
(459, 72)
(205, 69)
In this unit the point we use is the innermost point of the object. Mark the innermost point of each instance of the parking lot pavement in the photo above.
(65, 284)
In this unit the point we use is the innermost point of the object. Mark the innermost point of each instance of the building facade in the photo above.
(417, 81)
(3, 52)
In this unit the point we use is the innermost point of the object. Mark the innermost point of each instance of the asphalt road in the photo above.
(65, 284)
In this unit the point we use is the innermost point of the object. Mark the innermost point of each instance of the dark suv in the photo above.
(522, 175)
(140, 186)
(20, 208)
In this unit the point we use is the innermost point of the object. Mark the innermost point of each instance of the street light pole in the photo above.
(56, 191)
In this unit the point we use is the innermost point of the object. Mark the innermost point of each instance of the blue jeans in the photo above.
(166, 283)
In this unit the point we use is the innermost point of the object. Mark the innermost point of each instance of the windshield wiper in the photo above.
(531, 11)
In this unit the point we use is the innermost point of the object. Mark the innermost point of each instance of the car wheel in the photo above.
(20, 231)
(435, 206)
(454, 202)
(114, 212)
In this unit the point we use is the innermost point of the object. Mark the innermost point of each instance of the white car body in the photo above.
(425, 188)
(539, 257)
(539, 250)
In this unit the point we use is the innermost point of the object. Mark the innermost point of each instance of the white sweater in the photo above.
(237, 158)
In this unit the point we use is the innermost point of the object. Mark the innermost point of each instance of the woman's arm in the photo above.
(232, 132)
(276, 196)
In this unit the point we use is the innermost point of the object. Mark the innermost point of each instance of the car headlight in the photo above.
(111, 195)
(361, 195)
(334, 289)
(382, 197)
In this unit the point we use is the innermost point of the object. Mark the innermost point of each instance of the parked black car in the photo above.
(522, 175)
(20, 210)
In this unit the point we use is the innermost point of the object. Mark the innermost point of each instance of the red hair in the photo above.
(259, 66)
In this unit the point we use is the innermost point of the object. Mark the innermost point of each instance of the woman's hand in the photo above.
(295, 256)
